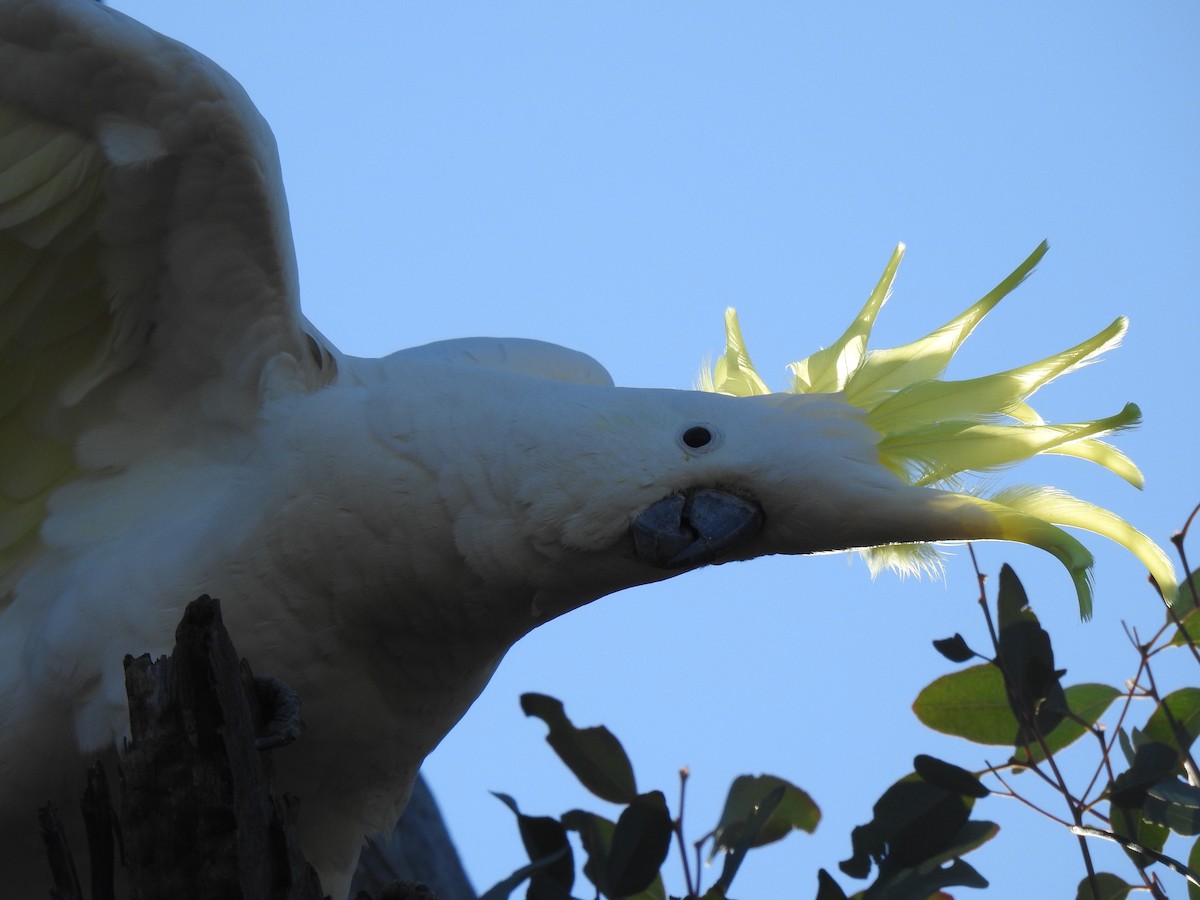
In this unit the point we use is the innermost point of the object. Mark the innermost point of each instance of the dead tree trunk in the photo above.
(198, 819)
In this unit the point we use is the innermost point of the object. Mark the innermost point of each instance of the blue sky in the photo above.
(611, 176)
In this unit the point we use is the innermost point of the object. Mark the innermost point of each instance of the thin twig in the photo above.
(1172, 864)
(678, 829)
(1015, 796)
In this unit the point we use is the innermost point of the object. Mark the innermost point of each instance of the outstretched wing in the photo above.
(148, 293)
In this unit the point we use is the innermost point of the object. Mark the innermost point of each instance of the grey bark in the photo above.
(197, 817)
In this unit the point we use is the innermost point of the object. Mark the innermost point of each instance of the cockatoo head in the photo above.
(597, 488)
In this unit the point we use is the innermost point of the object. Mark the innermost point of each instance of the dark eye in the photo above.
(697, 436)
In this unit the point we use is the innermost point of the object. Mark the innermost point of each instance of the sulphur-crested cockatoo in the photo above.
(380, 530)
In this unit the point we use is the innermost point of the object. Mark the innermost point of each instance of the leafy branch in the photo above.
(1143, 787)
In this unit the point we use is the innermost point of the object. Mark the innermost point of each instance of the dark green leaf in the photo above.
(914, 821)
(502, 889)
(954, 649)
(1176, 720)
(1027, 658)
(543, 887)
(1153, 762)
(918, 884)
(595, 833)
(544, 838)
(1175, 804)
(972, 704)
(594, 755)
(973, 834)
(1108, 887)
(754, 825)
(1087, 702)
(949, 777)
(639, 844)
(1012, 603)
(1185, 609)
(827, 888)
(795, 810)
(1126, 746)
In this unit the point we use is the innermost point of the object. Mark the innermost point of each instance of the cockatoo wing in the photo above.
(148, 290)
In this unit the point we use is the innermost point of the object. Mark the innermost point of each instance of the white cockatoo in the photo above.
(380, 530)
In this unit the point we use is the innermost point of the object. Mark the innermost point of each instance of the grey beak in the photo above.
(691, 529)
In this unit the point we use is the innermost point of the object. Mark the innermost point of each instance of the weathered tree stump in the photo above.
(198, 819)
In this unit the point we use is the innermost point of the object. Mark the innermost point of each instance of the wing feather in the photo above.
(148, 286)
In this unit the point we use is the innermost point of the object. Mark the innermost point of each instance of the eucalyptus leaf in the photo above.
(1108, 887)
(754, 825)
(503, 888)
(596, 834)
(1176, 720)
(1026, 656)
(914, 884)
(1187, 608)
(796, 810)
(593, 755)
(545, 839)
(639, 844)
(827, 888)
(913, 822)
(1175, 804)
(972, 704)
(954, 648)
(949, 777)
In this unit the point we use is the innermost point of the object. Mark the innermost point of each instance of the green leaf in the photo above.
(543, 887)
(1186, 608)
(1175, 804)
(1012, 603)
(827, 888)
(918, 884)
(503, 888)
(595, 833)
(734, 859)
(949, 777)
(796, 809)
(973, 834)
(1176, 720)
(973, 704)
(594, 755)
(544, 839)
(913, 821)
(1152, 764)
(639, 844)
(1109, 887)
(1027, 658)
(954, 648)
(1088, 703)
(1126, 746)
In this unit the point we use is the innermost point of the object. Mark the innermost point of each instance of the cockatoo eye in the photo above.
(698, 437)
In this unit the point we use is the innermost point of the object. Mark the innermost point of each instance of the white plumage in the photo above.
(380, 531)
